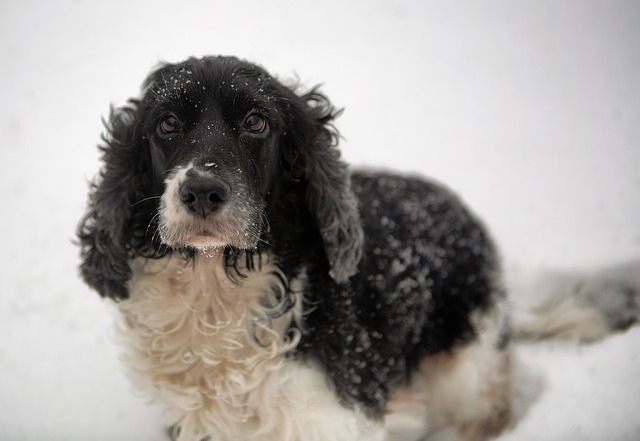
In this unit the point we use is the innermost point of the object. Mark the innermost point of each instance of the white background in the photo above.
(529, 109)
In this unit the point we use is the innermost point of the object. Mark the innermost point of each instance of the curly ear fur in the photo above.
(328, 184)
(107, 231)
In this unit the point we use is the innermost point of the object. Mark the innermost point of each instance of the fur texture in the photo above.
(268, 293)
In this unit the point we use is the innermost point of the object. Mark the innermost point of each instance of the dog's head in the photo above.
(196, 162)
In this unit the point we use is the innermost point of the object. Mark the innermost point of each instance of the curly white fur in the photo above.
(207, 348)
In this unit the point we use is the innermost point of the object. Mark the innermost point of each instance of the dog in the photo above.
(267, 292)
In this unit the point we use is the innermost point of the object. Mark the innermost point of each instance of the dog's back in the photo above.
(427, 302)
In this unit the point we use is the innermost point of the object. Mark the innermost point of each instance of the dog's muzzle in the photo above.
(202, 210)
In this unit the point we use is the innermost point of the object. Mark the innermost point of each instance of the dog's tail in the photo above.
(605, 303)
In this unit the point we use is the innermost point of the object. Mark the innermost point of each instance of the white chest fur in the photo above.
(205, 346)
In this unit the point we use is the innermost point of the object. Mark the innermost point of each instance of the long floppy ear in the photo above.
(328, 195)
(106, 232)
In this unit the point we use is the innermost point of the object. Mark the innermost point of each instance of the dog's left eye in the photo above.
(255, 123)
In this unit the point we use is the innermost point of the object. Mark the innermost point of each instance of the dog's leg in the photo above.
(301, 405)
(314, 412)
(468, 387)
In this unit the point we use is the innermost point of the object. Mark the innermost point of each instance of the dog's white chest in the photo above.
(205, 347)
(202, 341)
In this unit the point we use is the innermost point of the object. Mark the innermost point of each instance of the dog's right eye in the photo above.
(168, 125)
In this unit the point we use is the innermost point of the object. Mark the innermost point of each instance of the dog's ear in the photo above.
(107, 231)
(328, 192)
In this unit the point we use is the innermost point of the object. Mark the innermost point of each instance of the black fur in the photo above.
(395, 265)
(427, 266)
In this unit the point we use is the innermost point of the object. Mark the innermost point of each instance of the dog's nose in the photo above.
(204, 195)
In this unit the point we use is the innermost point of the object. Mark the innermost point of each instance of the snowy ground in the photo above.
(528, 109)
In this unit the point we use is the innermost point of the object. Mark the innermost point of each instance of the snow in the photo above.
(528, 109)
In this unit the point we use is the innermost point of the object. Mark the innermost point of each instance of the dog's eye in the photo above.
(255, 123)
(169, 124)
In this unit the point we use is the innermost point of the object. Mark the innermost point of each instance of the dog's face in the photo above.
(215, 137)
(217, 153)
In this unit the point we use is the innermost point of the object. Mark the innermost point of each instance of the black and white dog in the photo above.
(270, 294)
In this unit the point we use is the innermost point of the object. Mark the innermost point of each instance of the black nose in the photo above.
(204, 195)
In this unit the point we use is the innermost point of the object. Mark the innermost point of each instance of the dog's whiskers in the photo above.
(258, 238)
(146, 199)
(153, 219)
